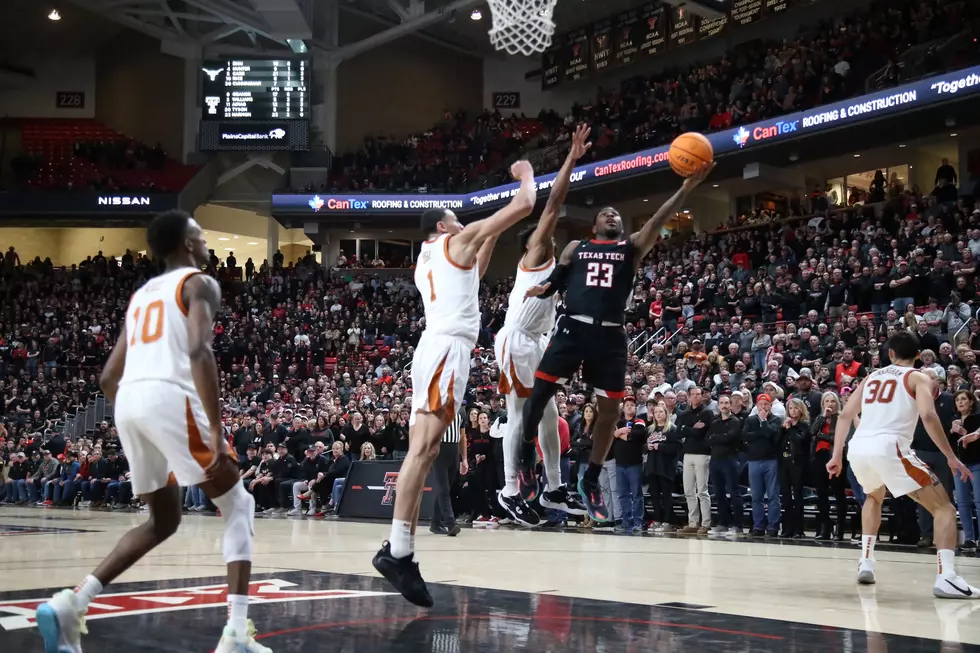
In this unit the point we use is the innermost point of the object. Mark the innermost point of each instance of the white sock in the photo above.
(90, 588)
(868, 547)
(550, 443)
(512, 444)
(945, 560)
(238, 615)
(401, 540)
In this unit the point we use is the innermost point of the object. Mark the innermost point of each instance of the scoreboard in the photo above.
(255, 104)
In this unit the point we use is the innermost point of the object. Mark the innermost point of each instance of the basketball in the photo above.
(688, 152)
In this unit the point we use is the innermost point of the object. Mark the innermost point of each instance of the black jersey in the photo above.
(600, 279)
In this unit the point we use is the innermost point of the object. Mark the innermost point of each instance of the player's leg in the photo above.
(605, 369)
(61, 620)
(949, 585)
(556, 495)
(510, 498)
(439, 374)
(870, 524)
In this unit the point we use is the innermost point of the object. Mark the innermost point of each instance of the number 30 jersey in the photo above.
(157, 345)
(888, 405)
(600, 280)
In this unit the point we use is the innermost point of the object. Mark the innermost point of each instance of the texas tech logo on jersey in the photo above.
(21, 613)
(391, 480)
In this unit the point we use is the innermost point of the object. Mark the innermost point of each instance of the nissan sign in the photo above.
(124, 200)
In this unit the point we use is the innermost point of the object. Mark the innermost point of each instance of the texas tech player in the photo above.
(891, 401)
(521, 343)
(597, 278)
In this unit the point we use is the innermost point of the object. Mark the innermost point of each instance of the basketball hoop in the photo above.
(522, 26)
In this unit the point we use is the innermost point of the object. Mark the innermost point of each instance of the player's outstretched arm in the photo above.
(484, 254)
(202, 297)
(113, 370)
(646, 237)
(463, 247)
(541, 246)
(847, 417)
(558, 279)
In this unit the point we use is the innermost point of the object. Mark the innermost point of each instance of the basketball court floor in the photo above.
(500, 590)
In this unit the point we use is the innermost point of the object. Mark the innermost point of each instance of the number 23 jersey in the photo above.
(600, 280)
(157, 345)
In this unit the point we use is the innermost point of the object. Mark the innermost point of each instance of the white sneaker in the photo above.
(718, 530)
(228, 643)
(270, 511)
(61, 624)
(866, 572)
(734, 532)
(954, 587)
(311, 512)
(295, 512)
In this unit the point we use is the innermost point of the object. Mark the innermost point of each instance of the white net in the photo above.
(522, 26)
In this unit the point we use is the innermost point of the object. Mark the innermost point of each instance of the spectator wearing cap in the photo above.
(822, 432)
(248, 464)
(794, 463)
(724, 436)
(284, 472)
(262, 486)
(17, 479)
(64, 489)
(119, 490)
(309, 470)
(693, 425)
(664, 444)
(46, 473)
(805, 392)
(332, 482)
(762, 434)
(848, 371)
(630, 436)
(902, 286)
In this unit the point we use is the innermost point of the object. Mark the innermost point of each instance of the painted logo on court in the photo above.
(20, 613)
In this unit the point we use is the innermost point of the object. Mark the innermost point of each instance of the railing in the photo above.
(85, 419)
(656, 338)
(912, 58)
(976, 316)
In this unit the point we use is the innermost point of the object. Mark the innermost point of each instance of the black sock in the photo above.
(592, 472)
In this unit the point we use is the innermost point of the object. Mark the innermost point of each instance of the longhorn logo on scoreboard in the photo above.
(391, 480)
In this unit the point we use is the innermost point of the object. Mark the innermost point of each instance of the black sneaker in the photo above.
(438, 530)
(755, 532)
(592, 496)
(454, 531)
(562, 499)
(518, 509)
(527, 480)
(403, 574)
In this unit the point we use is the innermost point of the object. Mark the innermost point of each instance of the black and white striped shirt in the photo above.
(452, 433)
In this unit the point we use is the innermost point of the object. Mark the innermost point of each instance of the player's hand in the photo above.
(464, 468)
(959, 469)
(834, 467)
(580, 142)
(537, 291)
(521, 170)
(694, 180)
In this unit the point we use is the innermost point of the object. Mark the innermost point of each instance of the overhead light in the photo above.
(223, 238)
(229, 249)
(953, 134)
(252, 243)
(646, 200)
(476, 15)
(902, 145)
(235, 237)
(857, 156)
(714, 185)
(54, 15)
(687, 210)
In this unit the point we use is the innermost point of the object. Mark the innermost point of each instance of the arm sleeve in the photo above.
(558, 281)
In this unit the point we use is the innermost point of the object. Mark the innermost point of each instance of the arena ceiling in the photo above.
(193, 28)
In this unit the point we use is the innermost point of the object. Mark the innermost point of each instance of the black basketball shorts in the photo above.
(599, 350)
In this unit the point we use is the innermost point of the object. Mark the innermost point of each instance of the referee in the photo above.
(450, 462)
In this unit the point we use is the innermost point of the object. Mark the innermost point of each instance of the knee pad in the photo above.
(238, 511)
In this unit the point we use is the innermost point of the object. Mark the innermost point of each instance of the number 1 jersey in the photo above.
(600, 280)
(157, 346)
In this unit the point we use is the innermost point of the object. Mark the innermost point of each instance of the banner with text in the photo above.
(84, 203)
(795, 125)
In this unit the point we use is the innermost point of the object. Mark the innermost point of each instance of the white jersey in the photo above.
(450, 292)
(888, 405)
(156, 332)
(535, 316)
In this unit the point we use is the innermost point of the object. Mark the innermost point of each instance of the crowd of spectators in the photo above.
(761, 79)
(745, 343)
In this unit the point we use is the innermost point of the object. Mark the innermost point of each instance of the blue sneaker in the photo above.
(61, 624)
(592, 497)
